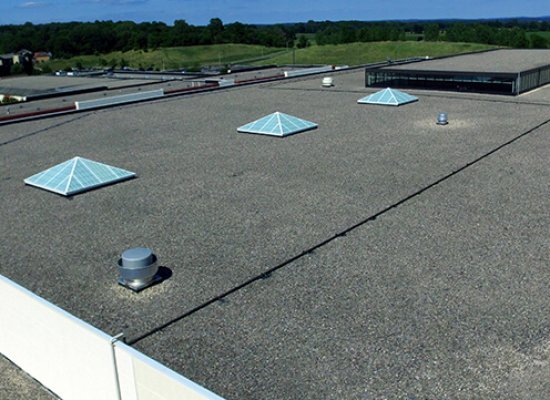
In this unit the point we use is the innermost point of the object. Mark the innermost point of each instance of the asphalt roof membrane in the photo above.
(384, 256)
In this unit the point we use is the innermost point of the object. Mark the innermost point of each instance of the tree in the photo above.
(431, 33)
(215, 28)
(272, 36)
(302, 42)
(347, 35)
(538, 42)
(519, 39)
(482, 34)
(183, 34)
(239, 33)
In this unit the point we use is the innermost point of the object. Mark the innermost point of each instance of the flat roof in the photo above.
(495, 61)
(379, 255)
(29, 85)
(44, 84)
(67, 90)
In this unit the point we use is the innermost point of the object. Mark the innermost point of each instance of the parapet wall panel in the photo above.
(69, 357)
(122, 99)
(77, 361)
(153, 381)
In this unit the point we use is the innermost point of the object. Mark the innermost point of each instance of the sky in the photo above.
(197, 12)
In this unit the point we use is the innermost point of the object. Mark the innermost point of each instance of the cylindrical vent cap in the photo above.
(138, 257)
(138, 268)
(442, 119)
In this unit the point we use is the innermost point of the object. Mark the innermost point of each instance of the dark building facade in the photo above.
(461, 75)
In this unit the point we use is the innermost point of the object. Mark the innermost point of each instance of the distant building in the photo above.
(504, 71)
(6, 61)
(42, 56)
(23, 57)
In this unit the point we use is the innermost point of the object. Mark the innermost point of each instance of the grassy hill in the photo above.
(362, 53)
(196, 56)
(544, 34)
(169, 58)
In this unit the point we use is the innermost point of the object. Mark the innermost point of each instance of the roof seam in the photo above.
(337, 235)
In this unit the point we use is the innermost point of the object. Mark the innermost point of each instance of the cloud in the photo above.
(32, 4)
(117, 2)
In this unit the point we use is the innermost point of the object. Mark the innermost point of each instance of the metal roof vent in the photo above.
(442, 119)
(138, 269)
(327, 82)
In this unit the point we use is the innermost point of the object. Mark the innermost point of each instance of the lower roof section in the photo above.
(506, 61)
(497, 71)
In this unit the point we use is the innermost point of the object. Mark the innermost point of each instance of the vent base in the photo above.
(138, 285)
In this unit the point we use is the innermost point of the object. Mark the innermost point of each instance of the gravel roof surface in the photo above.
(443, 297)
(442, 294)
(29, 85)
(504, 60)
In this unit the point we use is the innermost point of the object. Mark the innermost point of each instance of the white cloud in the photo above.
(117, 2)
(33, 4)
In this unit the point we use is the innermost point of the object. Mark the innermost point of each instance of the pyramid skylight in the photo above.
(277, 124)
(77, 175)
(388, 97)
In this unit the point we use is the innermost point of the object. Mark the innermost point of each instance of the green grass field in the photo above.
(169, 58)
(362, 53)
(196, 56)
(544, 34)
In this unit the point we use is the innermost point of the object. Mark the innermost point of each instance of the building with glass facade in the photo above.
(507, 71)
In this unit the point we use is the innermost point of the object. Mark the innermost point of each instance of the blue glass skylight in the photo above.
(277, 124)
(388, 97)
(77, 175)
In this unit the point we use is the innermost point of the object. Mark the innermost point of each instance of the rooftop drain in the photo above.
(138, 269)
(442, 119)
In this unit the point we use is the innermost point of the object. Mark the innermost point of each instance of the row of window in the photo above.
(466, 83)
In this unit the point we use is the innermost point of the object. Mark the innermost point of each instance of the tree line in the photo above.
(78, 38)
(511, 34)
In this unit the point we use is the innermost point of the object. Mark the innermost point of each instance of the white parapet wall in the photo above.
(113, 100)
(154, 381)
(71, 358)
(77, 361)
(226, 82)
